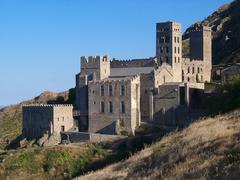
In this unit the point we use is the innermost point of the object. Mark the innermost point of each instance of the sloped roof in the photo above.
(121, 72)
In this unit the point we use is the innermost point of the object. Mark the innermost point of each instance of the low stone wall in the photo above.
(77, 137)
(103, 137)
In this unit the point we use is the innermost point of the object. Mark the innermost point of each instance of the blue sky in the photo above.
(41, 40)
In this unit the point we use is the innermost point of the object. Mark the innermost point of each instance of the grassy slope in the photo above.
(56, 162)
(11, 116)
(208, 148)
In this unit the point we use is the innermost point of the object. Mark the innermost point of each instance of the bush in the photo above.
(227, 100)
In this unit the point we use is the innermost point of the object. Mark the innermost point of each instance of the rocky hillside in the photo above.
(11, 116)
(207, 149)
(225, 23)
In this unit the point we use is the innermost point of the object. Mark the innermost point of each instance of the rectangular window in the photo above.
(161, 49)
(166, 59)
(110, 107)
(122, 107)
(178, 50)
(102, 107)
(102, 90)
(162, 39)
(175, 50)
(110, 90)
(178, 40)
(167, 39)
(175, 39)
(122, 90)
(167, 49)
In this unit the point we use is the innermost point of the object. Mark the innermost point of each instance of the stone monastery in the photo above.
(114, 95)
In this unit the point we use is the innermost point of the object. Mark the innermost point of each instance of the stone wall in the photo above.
(78, 137)
(147, 82)
(148, 62)
(106, 122)
(163, 75)
(193, 71)
(46, 119)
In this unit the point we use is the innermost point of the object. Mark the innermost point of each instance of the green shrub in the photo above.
(233, 157)
(227, 100)
(55, 158)
(26, 161)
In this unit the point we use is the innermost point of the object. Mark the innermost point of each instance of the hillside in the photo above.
(207, 149)
(11, 116)
(225, 23)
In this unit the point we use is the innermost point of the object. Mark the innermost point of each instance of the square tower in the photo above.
(169, 46)
(201, 48)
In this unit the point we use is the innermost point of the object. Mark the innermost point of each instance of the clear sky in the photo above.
(41, 40)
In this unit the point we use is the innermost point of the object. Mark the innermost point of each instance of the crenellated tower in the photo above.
(92, 68)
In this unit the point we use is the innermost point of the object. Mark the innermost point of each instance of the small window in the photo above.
(122, 90)
(175, 39)
(162, 39)
(110, 107)
(62, 128)
(175, 59)
(167, 49)
(166, 59)
(178, 50)
(193, 70)
(188, 70)
(188, 79)
(122, 107)
(161, 49)
(62, 118)
(198, 69)
(110, 90)
(167, 39)
(179, 59)
(102, 90)
(102, 107)
(175, 50)
(178, 40)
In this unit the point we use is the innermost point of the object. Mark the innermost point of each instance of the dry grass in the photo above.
(207, 149)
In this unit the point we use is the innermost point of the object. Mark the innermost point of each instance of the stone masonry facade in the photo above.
(160, 89)
(39, 120)
(113, 95)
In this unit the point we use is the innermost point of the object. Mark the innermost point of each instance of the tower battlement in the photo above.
(201, 29)
(93, 61)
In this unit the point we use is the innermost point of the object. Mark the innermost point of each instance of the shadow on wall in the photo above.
(178, 117)
(110, 129)
(181, 116)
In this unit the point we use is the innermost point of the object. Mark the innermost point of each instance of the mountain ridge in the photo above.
(225, 24)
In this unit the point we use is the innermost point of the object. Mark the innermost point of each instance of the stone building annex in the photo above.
(114, 95)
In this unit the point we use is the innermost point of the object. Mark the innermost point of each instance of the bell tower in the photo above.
(169, 47)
